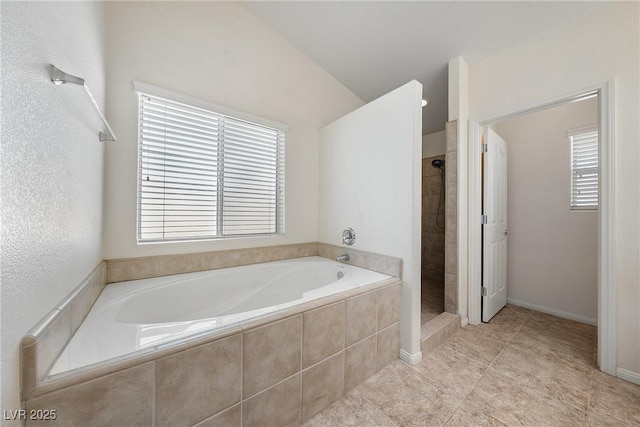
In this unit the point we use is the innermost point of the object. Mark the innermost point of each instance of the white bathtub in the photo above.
(141, 314)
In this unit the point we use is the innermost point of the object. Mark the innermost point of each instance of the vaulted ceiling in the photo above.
(375, 47)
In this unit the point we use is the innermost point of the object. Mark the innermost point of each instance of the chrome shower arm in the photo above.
(59, 77)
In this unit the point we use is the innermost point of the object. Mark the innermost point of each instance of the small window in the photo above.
(205, 173)
(584, 169)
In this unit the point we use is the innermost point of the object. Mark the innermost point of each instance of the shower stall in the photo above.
(433, 236)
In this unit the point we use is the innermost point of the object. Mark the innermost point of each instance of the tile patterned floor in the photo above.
(524, 368)
(432, 300)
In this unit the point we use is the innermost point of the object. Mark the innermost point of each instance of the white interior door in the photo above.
(495, 232)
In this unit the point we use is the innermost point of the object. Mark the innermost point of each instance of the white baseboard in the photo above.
(630, 376)
(464, 322)
(554, 312)
(411, 359)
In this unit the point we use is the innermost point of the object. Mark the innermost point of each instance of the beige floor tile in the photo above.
(521, 369)
(449, 368)
(614, 402)
(471, 414)
(512, 315)
(352, 410)
(554, 351)
(409, 399)
(476, 347)
(573, 333)
(514, 404)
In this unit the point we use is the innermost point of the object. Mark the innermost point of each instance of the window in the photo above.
(205, 172)
(584, 169)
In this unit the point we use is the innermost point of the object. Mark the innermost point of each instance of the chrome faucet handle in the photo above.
(348, 236)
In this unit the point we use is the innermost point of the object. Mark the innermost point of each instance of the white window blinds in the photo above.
(584, 169)
(206, 175)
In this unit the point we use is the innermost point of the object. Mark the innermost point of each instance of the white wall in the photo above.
(222, 53)
(433, 144)
(370, 180)
(553, 251)
(52, 165)
(459, 110)
(598, 47)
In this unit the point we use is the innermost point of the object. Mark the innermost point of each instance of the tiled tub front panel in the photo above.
(281, 373)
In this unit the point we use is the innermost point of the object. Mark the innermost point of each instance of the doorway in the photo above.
(606, 303)
(543, 214)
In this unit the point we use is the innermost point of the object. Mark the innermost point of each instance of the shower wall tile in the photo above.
(432, 185)
(322, 384)
(451, 260)
(430, 205)
(452, 167)
(197, 383)
(434, 242)
(323, 333)
(271, 354)
(434, 261)
(452, 198)
(276, 406)
(360, 317)
(451, 293)
(451, 230)
(451, 136)
(128, 393)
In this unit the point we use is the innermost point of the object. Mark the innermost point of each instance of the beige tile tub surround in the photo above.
(369, 260)
(194, 384)
(119, 270)
(40, 347)
(200, 384)
(46, 340)
(268, 358)
(324, 331)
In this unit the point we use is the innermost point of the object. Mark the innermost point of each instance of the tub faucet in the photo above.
(343, 258)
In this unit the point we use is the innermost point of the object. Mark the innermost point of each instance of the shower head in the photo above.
(438, 163)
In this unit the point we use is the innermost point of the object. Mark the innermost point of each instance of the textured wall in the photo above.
(221, 53)
(52, 165)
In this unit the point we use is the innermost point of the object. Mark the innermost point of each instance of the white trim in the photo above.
(607, 286)
(630, 376)
(464, 322)
(142, 87)
(411, 359)
(553, 311)
(578, 131)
